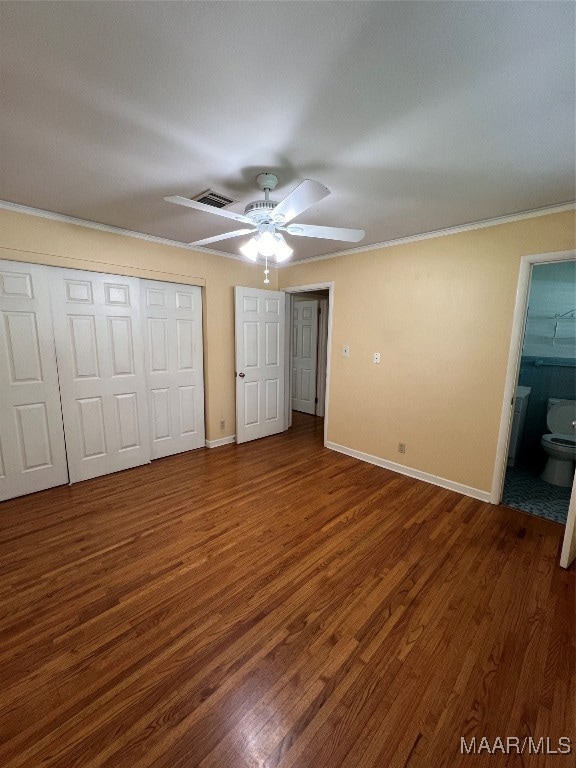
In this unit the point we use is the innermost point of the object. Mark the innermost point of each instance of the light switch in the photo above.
(345, 351)
(376, 357)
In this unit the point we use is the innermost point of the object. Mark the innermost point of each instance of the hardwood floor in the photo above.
(277, 604)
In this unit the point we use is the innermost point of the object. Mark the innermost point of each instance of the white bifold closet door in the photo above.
(97, 328)
(174, 366)
(32, 454)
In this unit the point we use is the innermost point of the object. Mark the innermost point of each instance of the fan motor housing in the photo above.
(260, 210)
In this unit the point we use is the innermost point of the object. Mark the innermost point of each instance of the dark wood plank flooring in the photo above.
(278, 605)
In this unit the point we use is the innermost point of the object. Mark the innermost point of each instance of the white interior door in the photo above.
(174, 366)
(260, 365)
(32, 453)
(304, 355)
(97, 326)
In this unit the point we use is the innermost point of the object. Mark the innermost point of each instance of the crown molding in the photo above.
(560, 208)
(7, 205)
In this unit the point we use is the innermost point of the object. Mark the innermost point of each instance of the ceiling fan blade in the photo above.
(207, 208)
(327, 233)
(306, 194)
(225, 236)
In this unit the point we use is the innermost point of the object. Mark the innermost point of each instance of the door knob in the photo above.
(241, 375)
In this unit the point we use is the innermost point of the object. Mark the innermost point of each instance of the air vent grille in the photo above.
(215, 199)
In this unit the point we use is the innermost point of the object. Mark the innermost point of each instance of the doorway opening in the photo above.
(308, 333)
(545, 398)
(308, 352)
(540, 396)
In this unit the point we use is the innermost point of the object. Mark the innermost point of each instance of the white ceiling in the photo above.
(417, 115)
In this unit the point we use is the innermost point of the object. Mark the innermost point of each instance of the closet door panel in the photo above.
(101, 365)
(174, 366)
(32, 453)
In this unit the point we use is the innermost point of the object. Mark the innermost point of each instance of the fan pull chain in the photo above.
(266, 272)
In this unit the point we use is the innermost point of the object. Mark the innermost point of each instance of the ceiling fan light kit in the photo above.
(250, 249)
(269, 219)
(267, 244)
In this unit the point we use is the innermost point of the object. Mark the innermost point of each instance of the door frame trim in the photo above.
(287, 394)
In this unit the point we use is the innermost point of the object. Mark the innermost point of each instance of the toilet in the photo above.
(560, 444)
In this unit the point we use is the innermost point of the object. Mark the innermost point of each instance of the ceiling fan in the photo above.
(269, 219)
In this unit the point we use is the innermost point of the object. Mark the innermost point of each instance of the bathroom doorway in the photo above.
(539, 476)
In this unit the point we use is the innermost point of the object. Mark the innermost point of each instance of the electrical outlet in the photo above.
(345, 351)
(401, 447)
(377, 358)
(222, 424)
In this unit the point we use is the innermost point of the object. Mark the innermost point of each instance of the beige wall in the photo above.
(440, 313)
(24, 237)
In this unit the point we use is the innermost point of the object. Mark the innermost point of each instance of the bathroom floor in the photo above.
(524, 490)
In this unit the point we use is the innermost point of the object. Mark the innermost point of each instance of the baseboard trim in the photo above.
(221, 441)
(465, 490)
